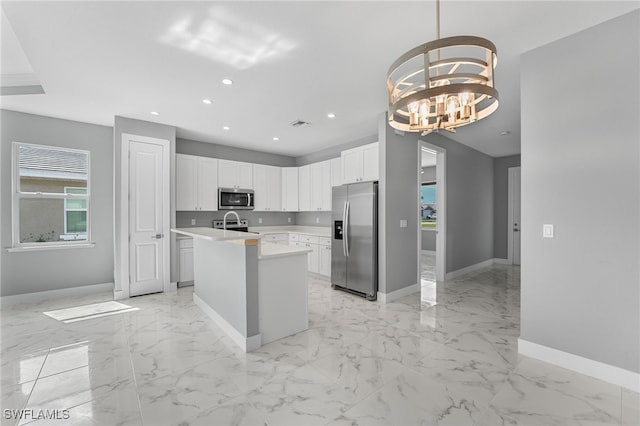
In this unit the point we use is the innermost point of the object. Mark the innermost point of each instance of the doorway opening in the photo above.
(432, 218)
(513, 221)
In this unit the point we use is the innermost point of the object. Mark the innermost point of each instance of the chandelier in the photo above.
(442, 84)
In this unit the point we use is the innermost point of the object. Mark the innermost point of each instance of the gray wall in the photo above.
(309, 218)
(204, 149)
(153, 130)
(580, 290)
(57, 269)
(501, 203)
(397, 200)
(183, 219)
(469, 203)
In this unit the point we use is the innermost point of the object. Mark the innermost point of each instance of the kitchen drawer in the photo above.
(185, 242)
(324, 241)
(294, 237)
(311, 239)
(275, 237)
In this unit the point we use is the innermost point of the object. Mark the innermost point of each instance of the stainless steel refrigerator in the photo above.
(354, 243)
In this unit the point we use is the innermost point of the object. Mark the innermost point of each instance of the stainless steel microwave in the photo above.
(235, 199)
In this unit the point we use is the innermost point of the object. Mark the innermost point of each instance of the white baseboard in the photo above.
(471, 268)
(499, 261)
(608, 373)
(389, 297)
(429, 252)
(40, 296)
(247, 344)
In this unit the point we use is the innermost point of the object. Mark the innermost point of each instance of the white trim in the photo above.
(599, 370)
(510, 206)
(40, 296)
(44, 246)
(429, 252)
(499, 261)
(384, 298)
(247, 344)
(471, 268)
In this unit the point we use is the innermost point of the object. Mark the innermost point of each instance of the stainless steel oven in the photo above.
(235, 199)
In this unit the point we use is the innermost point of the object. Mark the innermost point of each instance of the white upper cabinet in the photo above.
(235, 174)
(196, 183)
(290, 187)
(319, 186)
(267, 184)
(336, 171)
(304, 186)
(360, 164)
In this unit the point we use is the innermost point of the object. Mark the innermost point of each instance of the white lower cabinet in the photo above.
(185, 250)
(324, 257)
(319, 260)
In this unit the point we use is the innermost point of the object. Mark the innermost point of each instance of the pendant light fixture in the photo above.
(442, 84)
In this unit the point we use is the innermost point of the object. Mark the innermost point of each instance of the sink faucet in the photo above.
(224, 220)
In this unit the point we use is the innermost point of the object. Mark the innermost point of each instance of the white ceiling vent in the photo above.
(300, 123)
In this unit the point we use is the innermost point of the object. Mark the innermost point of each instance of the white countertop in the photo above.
(320, 231)
(212, 234)
(271, 250)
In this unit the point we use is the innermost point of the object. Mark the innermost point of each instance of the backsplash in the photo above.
(183, 219)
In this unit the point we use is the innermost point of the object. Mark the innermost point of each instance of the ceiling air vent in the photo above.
(300, 123)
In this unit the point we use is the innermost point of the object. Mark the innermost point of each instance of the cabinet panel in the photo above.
(370, 162)
(186, 264)
(351, 165)
(261, 187)
(186, 182)
(274, 179)
(304, 187)
(324, 260)
(325, 186)
(227, 174)
(290, 187)
(207, 184)
(245, 175)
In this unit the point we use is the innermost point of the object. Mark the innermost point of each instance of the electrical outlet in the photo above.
(259, 220)
(403, 223)
(193, 221)
(317, 220)
(547, 230)
(289, 219)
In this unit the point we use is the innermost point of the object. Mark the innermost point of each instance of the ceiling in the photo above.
(288, 61)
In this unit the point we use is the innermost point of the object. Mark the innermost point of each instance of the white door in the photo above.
(514, 215)
(147, 207)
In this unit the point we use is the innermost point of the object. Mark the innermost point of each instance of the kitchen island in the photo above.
(256, 293)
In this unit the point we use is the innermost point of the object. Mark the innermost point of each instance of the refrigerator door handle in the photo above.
(344, 222)
(345, 232)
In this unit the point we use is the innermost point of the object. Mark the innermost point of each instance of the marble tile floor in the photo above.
(446, 356)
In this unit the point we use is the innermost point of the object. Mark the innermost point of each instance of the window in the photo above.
(51, 196)
(428, 211)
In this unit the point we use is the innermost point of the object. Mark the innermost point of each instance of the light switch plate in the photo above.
(547, 230)
(403, 223)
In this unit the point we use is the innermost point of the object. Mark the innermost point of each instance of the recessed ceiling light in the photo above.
(505, 133)
(275, 138)
(206, 101)
(226, 127)
(227, 81)
(331, 115)
(154, 113)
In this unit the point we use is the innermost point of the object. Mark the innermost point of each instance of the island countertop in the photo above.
(321, 231)
(212, 234)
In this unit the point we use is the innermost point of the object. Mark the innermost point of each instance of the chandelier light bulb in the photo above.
(452, 107)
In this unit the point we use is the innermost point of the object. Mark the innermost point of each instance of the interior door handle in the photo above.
(158, 236)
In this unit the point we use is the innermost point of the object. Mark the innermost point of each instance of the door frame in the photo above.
(510, 206)
(441, 201)
(122, 289)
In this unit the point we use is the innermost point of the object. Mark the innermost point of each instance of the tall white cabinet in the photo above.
(290, 187)
(315, 187)
(267, 184)
(360, 164)
(235, 174)
(196, 183)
